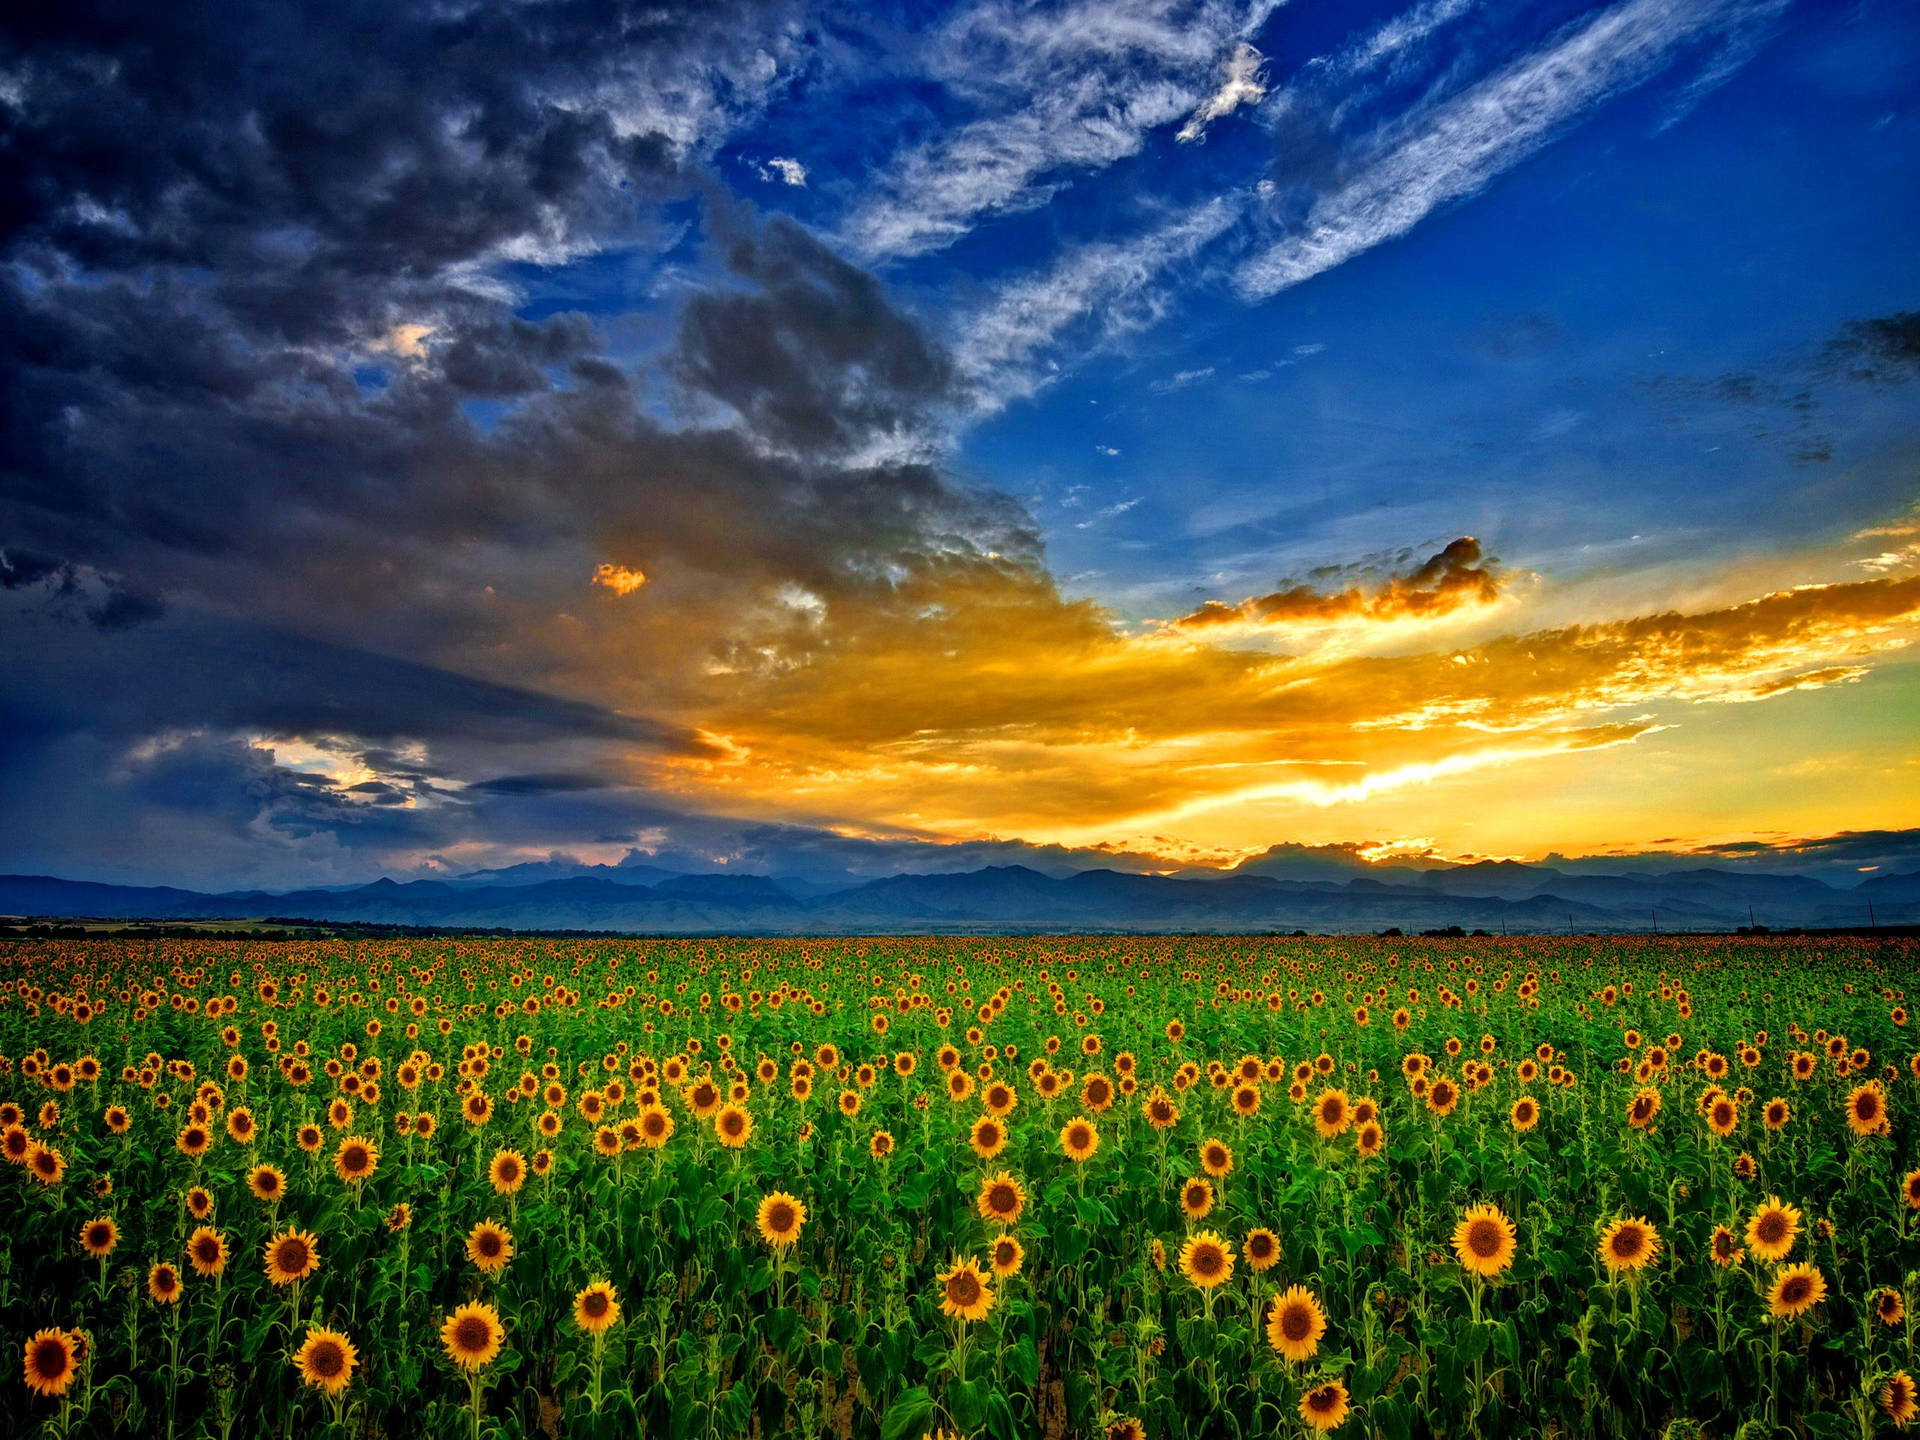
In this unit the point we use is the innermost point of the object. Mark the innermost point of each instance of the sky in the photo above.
(814, 438)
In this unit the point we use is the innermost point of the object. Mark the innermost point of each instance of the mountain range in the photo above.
(1497, 896)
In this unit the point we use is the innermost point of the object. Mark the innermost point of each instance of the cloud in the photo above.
(819, 360)
(104, 600)
(617, 578)
(1058, 89)
(1003, 707)
(1108, 289)
(562, 783)
(1883, 350)
(1245, 84)
(1109, 512)
(1456, 577)
(1457, 146)
(786, 171)
(1181, 380)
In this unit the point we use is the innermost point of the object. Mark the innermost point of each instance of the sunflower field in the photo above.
(1006, 1188)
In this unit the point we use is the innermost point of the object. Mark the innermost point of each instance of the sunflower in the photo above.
(1525, 1113)
(1125, 1428)
(964, 1291)
(1890, 1306)
(1002, 1197)
(780, 1219)
(1007, 1257)
(51, 1362)
(1777, 1113)
(207, 1252)
(656, 1126)
(1196, 1199)
(1867, 1109)
(1216, 1158)
(881, 1145)
(507, 1172)
(734, 1125)
(1644, 1109)
(1723, 1116)
(988, 1137)
(355, 1160)
(267, 1183)
(1772, 1229)
(46, 1164)
(1295, 1324)
(291, 1256)
(1206, 1261)
(98, 1237)
(1796, 1289)
(199, 1203)
(1442, 1096)
(596, 1309)
(1629, 1244)
(471, 1335)
(1262, 1249)
(399, 1218)
(326, 1359)
(702, 1097)
(163, 1283)
(490, 1247)
(1332, 1113)
(1079, 1139)
(1370, 1140)
(1910, 1188)
(1898, 1399)
(1726, 1247)
(1484, 1240)
(1325, 1406)
(1160, 1111)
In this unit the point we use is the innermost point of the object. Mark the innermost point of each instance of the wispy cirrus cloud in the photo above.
(1110, 287)
(1058, 90)
(1245, 84)
(1459, 145)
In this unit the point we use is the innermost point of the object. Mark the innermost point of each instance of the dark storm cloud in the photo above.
(338, 143)
(247, 314)
(194, 669)
(817, 360)
(102, 599)
(562, 783)
(265, 402)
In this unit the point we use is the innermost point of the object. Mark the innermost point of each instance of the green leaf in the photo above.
(909, 1416)
(967, 1404)
(1023, 1361)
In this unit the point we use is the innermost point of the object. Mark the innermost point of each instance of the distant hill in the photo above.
(1496, 896)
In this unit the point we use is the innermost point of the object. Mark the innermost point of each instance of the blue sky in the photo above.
(1159, 429)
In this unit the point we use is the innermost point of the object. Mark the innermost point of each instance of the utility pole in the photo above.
(1655, 913)
(1752, 924)
(1872, 924)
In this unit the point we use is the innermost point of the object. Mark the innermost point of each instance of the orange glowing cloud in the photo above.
(1454, 579)
(978, 701)
(618, 578)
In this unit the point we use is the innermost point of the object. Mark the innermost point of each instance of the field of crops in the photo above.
(1003, 1188)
